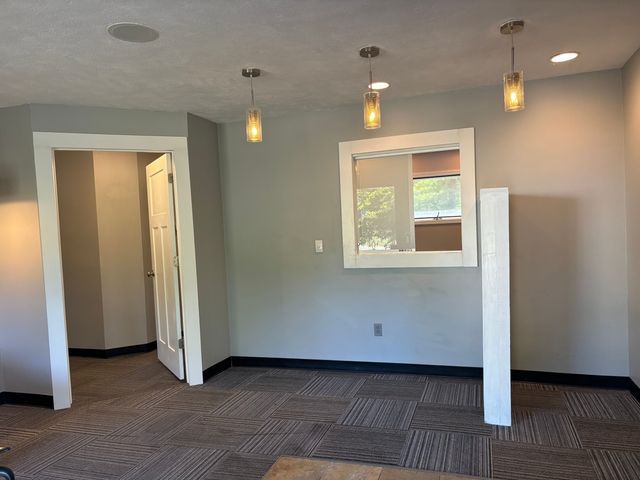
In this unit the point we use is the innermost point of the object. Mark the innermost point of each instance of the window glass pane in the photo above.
(376, 218)
(437, 197)
(383, 203)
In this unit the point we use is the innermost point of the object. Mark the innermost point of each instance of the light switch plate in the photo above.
(319, 246)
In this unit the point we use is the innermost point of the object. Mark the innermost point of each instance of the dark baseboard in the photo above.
(216, 369)
(373, 367)
(112, 352)
(576, 379)
(635, 390)
(595, 381)
(31, 399)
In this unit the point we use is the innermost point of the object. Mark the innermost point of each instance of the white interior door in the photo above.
(164, 256)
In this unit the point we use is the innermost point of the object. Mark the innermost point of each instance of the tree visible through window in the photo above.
(376, 218)
(437, 197)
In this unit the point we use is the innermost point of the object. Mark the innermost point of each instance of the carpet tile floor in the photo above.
(131, 419)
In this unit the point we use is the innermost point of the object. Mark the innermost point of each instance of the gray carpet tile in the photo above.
(516, 461)
(195, 400)
(96, 420)
(286, 437)
(42, 451)
(251, 405)
(99, 460)
(312, 409)
(154, 427)
(608, 434)
(612, 465)
(333, 386)
(540, 428)
(379, 413)
(399, 377)
(240, 466)
(443, 418)
(233, 378)
(614, 406)
(293, 372)
(276, 383)
(549, 400)
(15, 437)
(391, 389)
(362, 445)
(216, 432)
(462, 394)
(141, 398)
(447, 452)
(534, 386)
(175, 463)
(131, 418)
(31, 418)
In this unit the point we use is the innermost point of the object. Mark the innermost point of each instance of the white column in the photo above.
(496, 343)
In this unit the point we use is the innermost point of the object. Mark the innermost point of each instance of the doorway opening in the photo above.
(174, 152)
(119, 257)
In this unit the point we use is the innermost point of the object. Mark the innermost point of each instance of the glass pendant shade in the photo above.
(254, 125)
(513, 91)
(371, 109)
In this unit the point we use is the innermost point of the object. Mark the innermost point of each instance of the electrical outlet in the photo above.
(377, 329)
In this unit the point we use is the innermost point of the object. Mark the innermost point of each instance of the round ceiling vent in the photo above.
(132, 32)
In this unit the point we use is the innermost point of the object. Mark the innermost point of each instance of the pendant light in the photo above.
(254, 114)
(513, 82)
(371, 105)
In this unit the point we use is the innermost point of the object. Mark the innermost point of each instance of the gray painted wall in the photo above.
(24, 342)
(631, 78)
(209, 238)
(563, 160)
(76, 185)
(122, 274)
(104, 232)
(114, 121)
(25, 353)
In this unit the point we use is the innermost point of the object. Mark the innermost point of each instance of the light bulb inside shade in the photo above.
(564, 57)
(254, 125)
(513, 85)
(379, 85)
(371, 109)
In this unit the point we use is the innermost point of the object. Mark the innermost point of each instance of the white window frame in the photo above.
(44, 145)
(349, 152)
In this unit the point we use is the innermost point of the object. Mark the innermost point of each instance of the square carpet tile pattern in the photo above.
(131, 419)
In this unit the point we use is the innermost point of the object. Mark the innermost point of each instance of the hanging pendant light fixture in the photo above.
(371, 105)
(254, 114)
(513, 82)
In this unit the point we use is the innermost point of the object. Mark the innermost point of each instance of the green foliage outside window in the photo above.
(437, 197)
(376, 218)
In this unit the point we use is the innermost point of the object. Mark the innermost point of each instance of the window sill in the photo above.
(442, 221)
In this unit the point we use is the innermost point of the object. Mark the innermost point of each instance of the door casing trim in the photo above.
(44, 146)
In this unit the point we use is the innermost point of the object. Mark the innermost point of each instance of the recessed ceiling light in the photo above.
(564, 57)
(132, 32)
(379, 85)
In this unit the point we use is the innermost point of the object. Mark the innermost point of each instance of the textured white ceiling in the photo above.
(58, 51)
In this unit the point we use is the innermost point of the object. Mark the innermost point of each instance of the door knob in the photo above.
(151, 274)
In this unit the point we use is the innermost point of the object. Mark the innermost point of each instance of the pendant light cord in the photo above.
(513, 52)
(253, 103)
(370, 74)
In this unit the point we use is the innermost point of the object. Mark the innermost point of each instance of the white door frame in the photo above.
(44, 145)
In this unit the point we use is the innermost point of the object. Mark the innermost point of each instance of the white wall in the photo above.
(631, 77)
(24, 343)
(563, 161)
